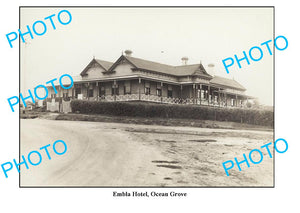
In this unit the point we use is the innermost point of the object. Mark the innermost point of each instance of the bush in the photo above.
(142, 109)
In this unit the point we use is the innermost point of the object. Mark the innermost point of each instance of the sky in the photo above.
(162, 35)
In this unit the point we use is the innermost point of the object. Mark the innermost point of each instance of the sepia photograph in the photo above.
(146, 96)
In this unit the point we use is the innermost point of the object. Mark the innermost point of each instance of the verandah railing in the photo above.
(160, 99)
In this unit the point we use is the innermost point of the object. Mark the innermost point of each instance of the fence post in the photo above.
(200, 86)
(115, 86)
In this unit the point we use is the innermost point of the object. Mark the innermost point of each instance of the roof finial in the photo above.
(93, 56)
(122, 52)
(200, 62)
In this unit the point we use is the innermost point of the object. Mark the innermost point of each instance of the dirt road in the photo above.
(115, 154)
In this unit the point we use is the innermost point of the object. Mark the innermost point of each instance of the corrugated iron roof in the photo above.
(184, 70)
(192, 69)
(227, 82)
(105, 64)
(150, 65)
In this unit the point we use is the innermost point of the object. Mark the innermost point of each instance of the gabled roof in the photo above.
(184, 70)
(104, 64)
(150, 65)
(194, 69)
(227, 82)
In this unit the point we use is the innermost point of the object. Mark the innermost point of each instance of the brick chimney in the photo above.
(128, 52)
(211, 69)
(184, 60)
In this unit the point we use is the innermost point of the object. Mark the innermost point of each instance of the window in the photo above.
(53, 95)
(91, 93)
(115, 90)
(127, 89)
(158, 92)
(77, 91)
(147, 88)
(158, 89)
(170, 91)
(102, 91)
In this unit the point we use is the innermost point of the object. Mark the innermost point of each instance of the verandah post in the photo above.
(200, 86)
(219, 98)
(161, 97)
(97, 89)
(181, 93)
(87, 91)
(73, 92)
(115, 85)
(194, 93)
(208, 96)
(139, 89)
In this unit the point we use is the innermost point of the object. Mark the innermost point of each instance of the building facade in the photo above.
(135, 79)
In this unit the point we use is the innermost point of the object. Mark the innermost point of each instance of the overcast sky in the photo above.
(162, 35)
